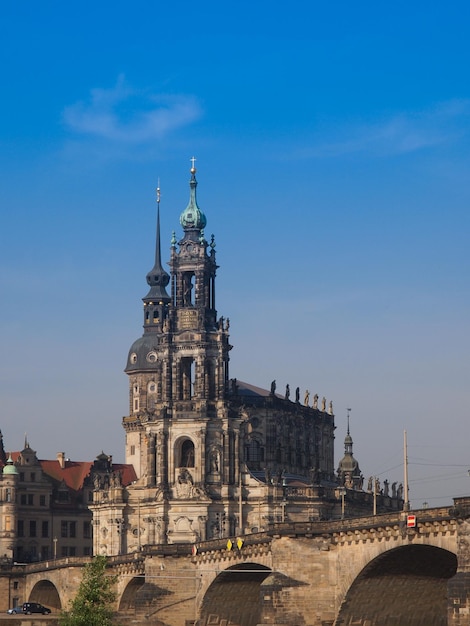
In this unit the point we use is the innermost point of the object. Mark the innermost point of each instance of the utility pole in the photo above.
(240, 503)
(406, 503)
(139, 547)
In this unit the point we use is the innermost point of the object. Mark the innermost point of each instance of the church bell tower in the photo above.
(214, 457)
(178, 433)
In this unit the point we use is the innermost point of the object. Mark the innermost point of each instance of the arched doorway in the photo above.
(404, 586)
(233, 597)
(46, 593)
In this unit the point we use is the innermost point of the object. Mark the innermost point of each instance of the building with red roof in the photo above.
(44, 503)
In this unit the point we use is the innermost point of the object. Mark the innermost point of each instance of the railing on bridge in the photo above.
(292, 529)
(460, 509)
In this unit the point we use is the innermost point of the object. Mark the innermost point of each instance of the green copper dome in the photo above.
(10, 467)
(192, 218)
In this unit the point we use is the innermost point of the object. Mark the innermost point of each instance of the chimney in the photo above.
(61, 459)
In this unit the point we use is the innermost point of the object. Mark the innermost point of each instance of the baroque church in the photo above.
(213, 456)
(207, 455)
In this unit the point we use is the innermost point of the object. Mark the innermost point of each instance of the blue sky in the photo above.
(333, 151)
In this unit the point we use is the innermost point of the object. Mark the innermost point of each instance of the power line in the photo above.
(440, 464)
(442, 476)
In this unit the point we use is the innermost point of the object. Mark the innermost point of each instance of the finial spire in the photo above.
(193, 167)
(157, 246)
(349, 411)
(157, 278)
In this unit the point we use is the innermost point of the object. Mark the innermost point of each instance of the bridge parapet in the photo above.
(31, 568)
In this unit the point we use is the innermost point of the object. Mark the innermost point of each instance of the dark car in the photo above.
(15, 610)
(35, 607)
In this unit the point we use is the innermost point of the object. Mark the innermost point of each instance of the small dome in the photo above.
(348, 464)
(143, 354)
(10, 468)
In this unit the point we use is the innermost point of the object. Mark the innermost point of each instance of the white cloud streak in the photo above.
(127, 116)
(399, 134)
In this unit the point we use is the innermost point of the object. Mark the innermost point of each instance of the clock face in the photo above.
(133, 358)
(152, 357)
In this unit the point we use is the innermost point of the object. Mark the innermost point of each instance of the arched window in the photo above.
(254, 452)
(188, 288)
(210, 379)
(136, 391)
(187, 378)
(187, 454)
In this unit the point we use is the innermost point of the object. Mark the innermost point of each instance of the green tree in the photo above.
(94, 603)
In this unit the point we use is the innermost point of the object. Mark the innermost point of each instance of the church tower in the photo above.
(349, 474)
(214, 456)
(9, 509)
(178, 433)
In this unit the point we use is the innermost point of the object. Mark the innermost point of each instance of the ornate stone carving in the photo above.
(184, 484)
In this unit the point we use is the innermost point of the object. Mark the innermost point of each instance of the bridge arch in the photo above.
(407, 584)
(45, 592)
(127, 601)
(234, 596)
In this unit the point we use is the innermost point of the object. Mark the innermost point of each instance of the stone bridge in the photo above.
(368, 571)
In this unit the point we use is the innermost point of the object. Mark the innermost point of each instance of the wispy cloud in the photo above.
(125, 115)
(397, 134)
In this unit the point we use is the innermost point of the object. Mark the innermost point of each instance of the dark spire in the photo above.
(348, 466)
(3, 456)
(348, 442)
(157, 278)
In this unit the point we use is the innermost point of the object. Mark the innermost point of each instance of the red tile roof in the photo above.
(128, 474)
(73, 473)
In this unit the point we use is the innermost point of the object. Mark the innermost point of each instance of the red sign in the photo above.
(411, 521)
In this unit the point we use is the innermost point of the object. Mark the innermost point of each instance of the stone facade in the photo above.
(44, 508)
(44, 504)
